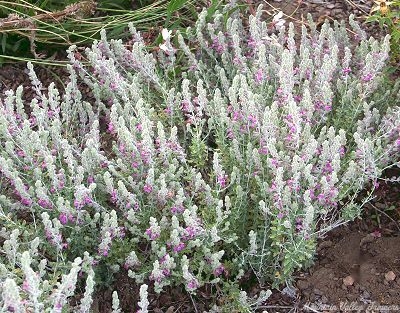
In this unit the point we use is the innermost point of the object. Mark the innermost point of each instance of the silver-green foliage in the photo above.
(193, 166)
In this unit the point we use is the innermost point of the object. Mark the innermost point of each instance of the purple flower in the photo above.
(229, 133)
(104, 251)
(297, 98)
(253, 120)
(179, 247)
(193, 284)
(87, 200)
(222, 180)
(237, 115)
(217, 46)
(251, 43)
(114, 196)
(111, 128)
(77, 204)
(259, 76)
(26, 202)
(63, 218)
(168, 111)
(58, 305)
(368, 77)
(45, 204)
(275, 162)
(147, 188)
(113, 86)
(346, 70)
(219, 270)
(25, 285)
(21, 153)
(177, 209)
(263, 150)
(328, 168)
(190, 233)
(166, 272)
(152, 235)
(90, 179)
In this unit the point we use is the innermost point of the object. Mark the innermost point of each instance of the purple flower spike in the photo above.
(147, 188)
(63, 218)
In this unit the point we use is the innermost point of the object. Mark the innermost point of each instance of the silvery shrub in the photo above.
(230, 149)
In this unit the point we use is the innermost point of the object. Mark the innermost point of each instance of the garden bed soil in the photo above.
(357, 267)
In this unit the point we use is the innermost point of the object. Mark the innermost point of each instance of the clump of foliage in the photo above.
(40, 28)
(387, 14)
(227, 151)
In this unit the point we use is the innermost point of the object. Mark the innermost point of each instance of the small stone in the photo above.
(348, 281)
(302, 284)
(330, 6)
(351, 297)
(366, 295)
(317, 292)
(171, 309)
(393, 292)
(380, 205)
(291, 292)
(390, 276)
(366, 240)
(324, 299)
(325, 244)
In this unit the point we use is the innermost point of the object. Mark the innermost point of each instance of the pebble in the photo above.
(302, 284)
(351, 297)
(330, 5)
(318, 292)
(380, 205)
(325, 244)
(291, 292)
(366, 294)
(390, 276)
(348, 281)
(171, 309)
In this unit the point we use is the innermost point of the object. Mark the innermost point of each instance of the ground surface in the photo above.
(357, 266)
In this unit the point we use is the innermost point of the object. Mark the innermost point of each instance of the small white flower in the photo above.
(167, 48)
(164, 47)
(277, 20)
(166, 34)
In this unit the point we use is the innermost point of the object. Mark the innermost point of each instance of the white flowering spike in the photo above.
(166, 34)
